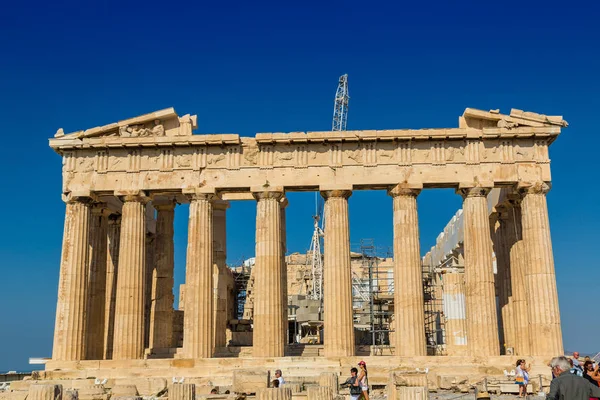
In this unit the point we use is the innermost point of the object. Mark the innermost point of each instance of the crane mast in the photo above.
(340, 119)
(340, 108)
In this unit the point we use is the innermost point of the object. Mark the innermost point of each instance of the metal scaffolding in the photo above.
(434, 311)
(372, 293)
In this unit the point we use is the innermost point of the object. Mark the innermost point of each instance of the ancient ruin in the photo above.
(122, 183)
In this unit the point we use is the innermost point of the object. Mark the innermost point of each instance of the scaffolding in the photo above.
(434, 312)
(241, 276)
(373, 293)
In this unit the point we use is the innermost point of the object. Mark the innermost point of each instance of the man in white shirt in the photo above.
(279, 377)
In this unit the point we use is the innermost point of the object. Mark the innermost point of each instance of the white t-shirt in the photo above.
(281, 381)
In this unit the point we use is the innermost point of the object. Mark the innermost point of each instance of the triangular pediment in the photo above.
(159, 123)
(479, 119)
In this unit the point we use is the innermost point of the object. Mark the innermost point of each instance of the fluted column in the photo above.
(284, 276)
(408, 275)
(280, 393)
(482, 322)
(112, 266)
(45, 392)
(501, 245)
(518, 265)
(128, 338)
(69, 330)
(182, 391)
(337, 278)
(221, 313)
(198, 317)
(161, 310)
(540, 278)
(455, 311)
(97, 283)
(268, 291)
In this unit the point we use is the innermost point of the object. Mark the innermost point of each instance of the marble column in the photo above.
(540, 278)
(198, 317)
(97, 283)
(455, 311)
(482, 322)
(501, 247)
(337, 279)
(112, 267)
(128, 337)
(284, 276)
(268, 308)
(518, 266)
(408, 275)
(69, 330)
(161, 309)
(280, 393)
(45, 392)
(221, 314)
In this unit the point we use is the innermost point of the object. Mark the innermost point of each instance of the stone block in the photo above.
(92, 392)
(329, 379)
(281, 393)
(320, 393)
(249, 381)
(123, 391)
(452, 382)
(149, 386)
(71, 394)
(45, 392)
(182, 391)
(412, 393)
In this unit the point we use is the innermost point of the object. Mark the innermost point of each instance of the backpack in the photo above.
(355, 390)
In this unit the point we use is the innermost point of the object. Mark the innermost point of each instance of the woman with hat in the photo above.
(363, 379)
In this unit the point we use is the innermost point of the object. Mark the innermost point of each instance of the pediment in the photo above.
(479, 119)
(159, 123)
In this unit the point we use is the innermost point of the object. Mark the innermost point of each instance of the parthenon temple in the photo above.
(123, 183)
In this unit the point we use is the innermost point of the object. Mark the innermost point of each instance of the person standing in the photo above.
(568, 386)
(363, 380)
(355, 390)
(279, 377)
(522, 377)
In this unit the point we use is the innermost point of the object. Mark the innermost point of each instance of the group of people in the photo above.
(571, 378)
(358, 382)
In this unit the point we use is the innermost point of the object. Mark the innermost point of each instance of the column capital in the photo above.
(268, 194)
(164, 204)
(340, 193)
(200, 194)
(533, 188)
(403, 189)
(477, 191)
(138, 196)
(70, 198)
(220, 205)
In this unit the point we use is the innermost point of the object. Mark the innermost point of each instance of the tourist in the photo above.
(355, 389)
(574, 370)
(568, 386)
(363, 380)
(522, 377)
(279, 377)
(577, 363)
(591, 373)
(275, 383)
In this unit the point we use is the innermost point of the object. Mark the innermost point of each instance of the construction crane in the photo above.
(316, 255)
(340, 119)
(340, 107)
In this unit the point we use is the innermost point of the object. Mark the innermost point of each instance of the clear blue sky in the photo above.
(257, 67)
